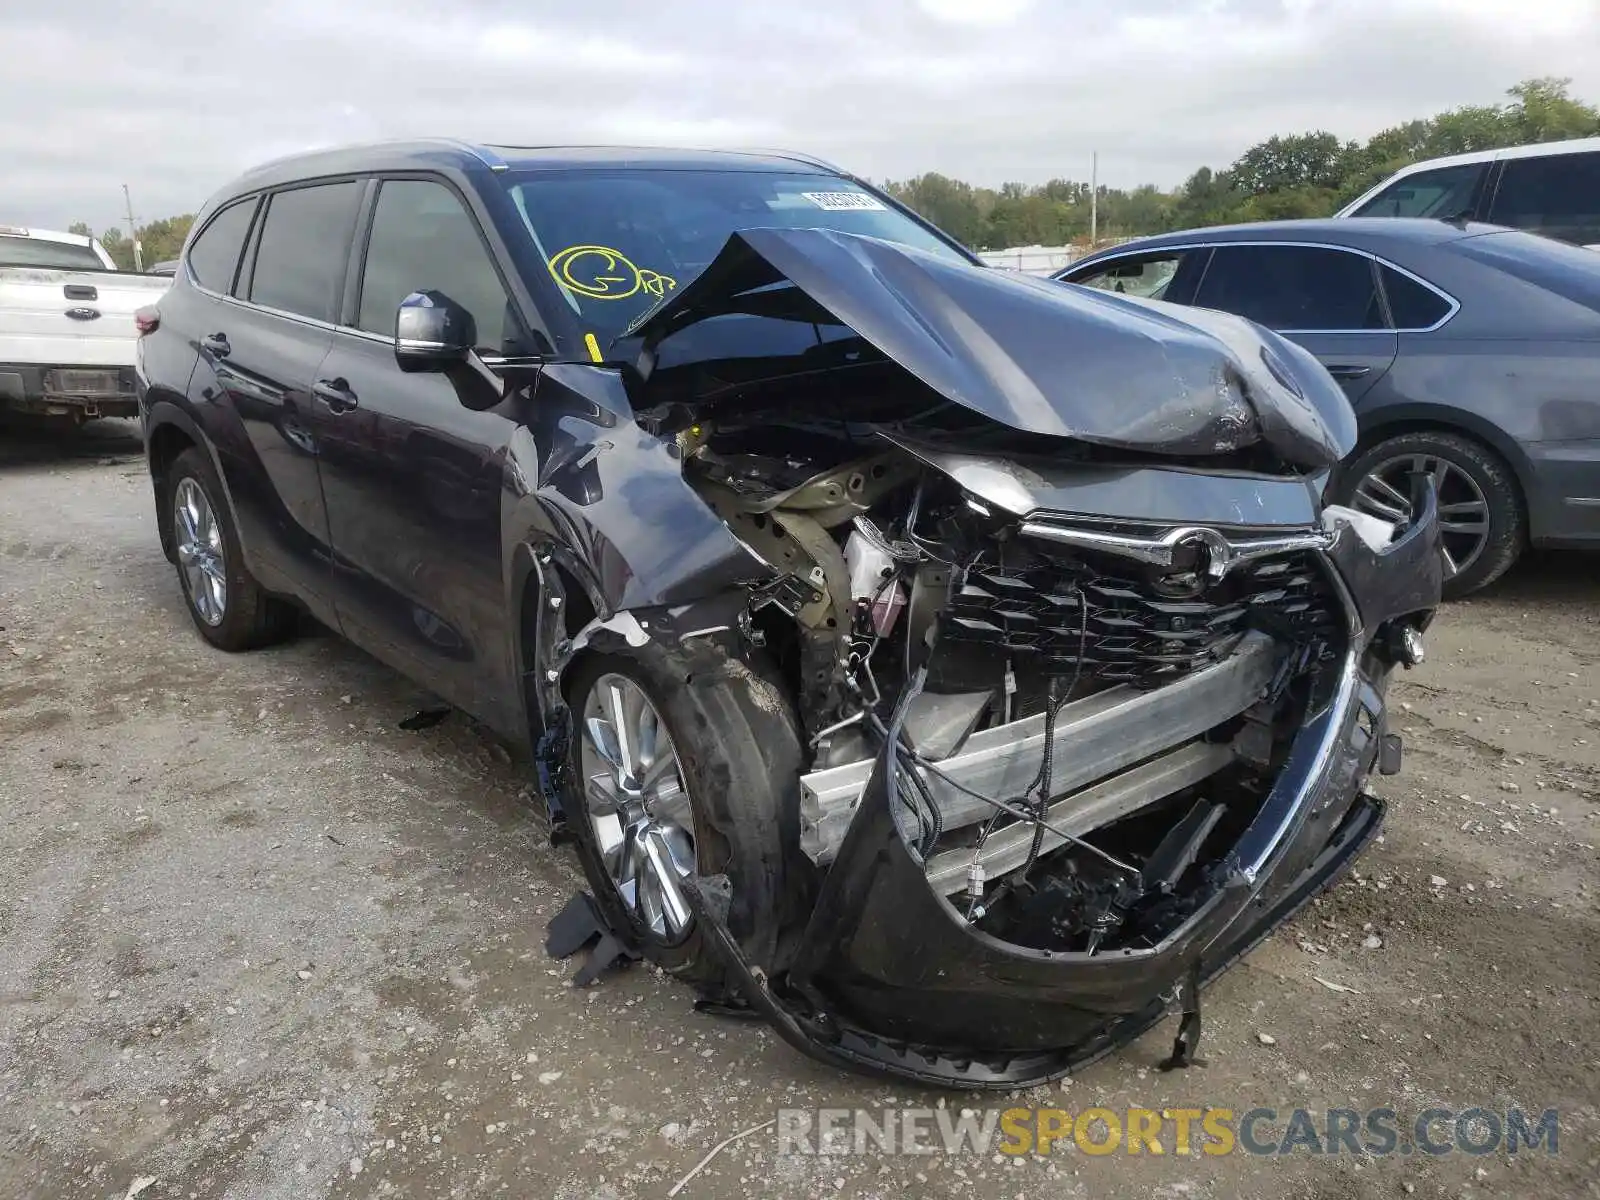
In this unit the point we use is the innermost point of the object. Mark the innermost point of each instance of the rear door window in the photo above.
(423, 239)
(301, 254)
(1306, 289)
(1557, 195)
(1441, 192)
(214, 257)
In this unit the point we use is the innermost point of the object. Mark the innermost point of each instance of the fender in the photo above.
(1379, 422)
(165, 412)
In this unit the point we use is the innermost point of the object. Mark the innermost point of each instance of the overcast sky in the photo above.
(173, 97)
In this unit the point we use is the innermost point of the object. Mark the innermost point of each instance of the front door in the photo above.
(414, 480)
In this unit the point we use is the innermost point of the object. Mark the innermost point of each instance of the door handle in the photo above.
(216, 344)
(1348, 371)
(336, 394)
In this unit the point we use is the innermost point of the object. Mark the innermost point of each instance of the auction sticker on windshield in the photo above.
(846, 201)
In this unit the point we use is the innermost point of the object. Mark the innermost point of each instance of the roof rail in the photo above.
(482, 153)
(811, 160)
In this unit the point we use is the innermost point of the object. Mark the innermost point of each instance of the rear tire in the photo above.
(237, 615)
(1478, 486)
(738, 752)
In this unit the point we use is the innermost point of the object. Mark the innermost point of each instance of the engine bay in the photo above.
(907, 612)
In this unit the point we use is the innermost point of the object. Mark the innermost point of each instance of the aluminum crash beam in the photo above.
(1084, 811)
(1094, 737)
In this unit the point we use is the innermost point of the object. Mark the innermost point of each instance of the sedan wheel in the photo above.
(200, 552)
(1482, 517)
(637, 806)
(1385, 491)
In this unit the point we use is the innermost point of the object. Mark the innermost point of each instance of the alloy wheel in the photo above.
(1385, 492)
(637, 805)
(200, 551)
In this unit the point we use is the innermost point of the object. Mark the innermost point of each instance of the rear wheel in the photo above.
(685, 762)
(1481, 514)
(228, 607)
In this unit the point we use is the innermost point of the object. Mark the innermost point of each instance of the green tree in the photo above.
(162, 240)
(948, 203)
(1280, 164)
(1544, 112)
(119, 246)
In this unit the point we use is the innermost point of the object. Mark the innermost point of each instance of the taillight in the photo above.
(147, 320)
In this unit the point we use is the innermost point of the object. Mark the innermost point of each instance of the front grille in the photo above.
(1050, 608)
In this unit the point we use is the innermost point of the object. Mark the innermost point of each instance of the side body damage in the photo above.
(1063, 681)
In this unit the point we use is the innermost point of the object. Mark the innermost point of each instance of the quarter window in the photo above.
(301, 256)
(1557, 195)
(1298, 288)
(1442, 192)
(214, 257)
(423, 239)
(1412, 305)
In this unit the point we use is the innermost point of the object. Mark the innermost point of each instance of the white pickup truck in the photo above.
(67, 330)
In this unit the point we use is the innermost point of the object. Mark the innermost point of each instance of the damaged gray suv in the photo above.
(957, 669)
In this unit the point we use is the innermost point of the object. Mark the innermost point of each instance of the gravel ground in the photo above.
(257, 941)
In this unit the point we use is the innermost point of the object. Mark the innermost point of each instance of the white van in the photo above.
(1552, 188)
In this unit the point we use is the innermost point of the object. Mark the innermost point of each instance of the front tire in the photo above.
(685, 760)
(1482, 518)
(226, 603)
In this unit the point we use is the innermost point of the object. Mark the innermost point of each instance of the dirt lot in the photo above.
(257, 941)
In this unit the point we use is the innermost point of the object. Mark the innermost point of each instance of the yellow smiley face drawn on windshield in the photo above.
(601, 273)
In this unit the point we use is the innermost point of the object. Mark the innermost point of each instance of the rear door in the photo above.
(414, 479)
(260, 351)
(1323, 297)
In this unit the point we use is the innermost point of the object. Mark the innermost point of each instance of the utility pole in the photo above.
(133, 231)
(1094, 201)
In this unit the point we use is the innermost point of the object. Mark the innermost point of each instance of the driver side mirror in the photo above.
(431, 332)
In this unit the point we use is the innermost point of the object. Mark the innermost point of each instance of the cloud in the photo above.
(976, 12)
(988, 90)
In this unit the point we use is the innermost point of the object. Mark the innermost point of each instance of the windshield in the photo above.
(617, 242)
(1443, 192)
(41, 252)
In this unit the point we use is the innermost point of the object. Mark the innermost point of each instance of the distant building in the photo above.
(1040, 260)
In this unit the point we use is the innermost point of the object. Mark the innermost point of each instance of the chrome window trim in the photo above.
(252, 306)
(1455, 305)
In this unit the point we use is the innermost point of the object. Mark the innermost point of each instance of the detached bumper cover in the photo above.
(890, 979)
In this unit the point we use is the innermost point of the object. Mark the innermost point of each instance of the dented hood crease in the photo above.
(1042, 357)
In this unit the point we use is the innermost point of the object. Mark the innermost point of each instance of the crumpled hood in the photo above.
(1040, 356)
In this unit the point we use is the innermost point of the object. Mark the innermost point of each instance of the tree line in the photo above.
(1298, 175)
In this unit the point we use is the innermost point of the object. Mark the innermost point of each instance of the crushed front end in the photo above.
(1088, 695)
(1118, 756)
